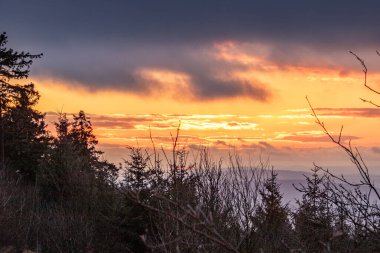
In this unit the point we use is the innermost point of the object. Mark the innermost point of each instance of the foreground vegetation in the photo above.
(58, 195)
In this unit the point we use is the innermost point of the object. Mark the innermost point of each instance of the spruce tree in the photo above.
(313, 218)
(13, 66)
(25, 136)
(272, 224)
(84, 141)
(137, 174)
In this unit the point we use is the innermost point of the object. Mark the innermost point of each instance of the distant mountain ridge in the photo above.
(290, 178)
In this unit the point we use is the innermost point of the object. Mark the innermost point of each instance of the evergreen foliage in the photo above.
(313, 218)
(273, 227)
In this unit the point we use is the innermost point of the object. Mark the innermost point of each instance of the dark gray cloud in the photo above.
(101, 44)
(108, 68)
(195, 21)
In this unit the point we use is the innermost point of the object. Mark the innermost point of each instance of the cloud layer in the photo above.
(106, 44)
(295, 21)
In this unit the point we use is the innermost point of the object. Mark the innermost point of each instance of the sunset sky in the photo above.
(233, 74)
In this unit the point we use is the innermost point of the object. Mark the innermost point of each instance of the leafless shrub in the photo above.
(356, 203)
(203, 206)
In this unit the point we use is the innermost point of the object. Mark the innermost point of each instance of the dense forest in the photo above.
(57, 193)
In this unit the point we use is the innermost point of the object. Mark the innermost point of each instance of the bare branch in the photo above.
(365, 70)
(369, 102)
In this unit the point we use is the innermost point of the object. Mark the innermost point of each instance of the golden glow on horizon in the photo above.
(122, 118)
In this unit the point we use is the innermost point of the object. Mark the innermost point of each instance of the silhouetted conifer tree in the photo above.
(273, 227)
(25, 136)
(84, 141)
(13, 66)
(313, 218)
